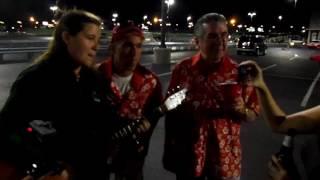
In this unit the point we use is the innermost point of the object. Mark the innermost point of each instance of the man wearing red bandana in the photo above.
(207, 144)
(137, 92)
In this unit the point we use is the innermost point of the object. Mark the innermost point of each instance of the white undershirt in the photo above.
(123, 83)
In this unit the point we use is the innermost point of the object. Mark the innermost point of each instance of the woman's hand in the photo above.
(254, 76)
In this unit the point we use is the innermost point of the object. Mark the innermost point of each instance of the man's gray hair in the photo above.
(207, 18)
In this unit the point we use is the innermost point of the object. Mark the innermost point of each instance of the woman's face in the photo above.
(83, 46)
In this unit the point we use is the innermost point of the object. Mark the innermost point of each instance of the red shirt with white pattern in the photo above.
(145, 94)
(140, 100)
(210, 144)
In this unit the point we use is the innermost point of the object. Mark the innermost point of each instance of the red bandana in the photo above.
(120, 32)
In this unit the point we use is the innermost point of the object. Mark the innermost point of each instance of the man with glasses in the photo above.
(207, 144)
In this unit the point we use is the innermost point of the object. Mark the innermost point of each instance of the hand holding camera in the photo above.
(251, 73)
(248, 71)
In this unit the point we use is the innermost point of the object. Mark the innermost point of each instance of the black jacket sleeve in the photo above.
(18, 107)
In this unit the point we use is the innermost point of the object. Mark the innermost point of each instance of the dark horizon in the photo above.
(267, 12)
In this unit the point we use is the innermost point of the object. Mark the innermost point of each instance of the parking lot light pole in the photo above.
(251, 14)
(163, 23)
(280, 18)
(163, 54)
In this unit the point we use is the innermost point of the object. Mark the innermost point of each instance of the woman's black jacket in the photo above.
(77, 108)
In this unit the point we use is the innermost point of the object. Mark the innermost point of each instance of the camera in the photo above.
(36, 141)
(244, 72)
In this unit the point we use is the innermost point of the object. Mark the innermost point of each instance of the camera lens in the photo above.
(243, 72)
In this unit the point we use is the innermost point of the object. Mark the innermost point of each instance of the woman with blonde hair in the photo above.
(61, 89)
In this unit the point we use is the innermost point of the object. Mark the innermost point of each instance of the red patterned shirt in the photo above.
(214, 127)
(145, 90)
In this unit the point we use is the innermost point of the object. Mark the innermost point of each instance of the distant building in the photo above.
(314, 27)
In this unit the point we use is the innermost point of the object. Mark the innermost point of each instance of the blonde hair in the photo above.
(73, 22)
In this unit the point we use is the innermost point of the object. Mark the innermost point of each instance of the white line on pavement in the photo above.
(292, 58)
(291, 77)
(269, 67)
(309, 92)
(146, 64)
(295, 56)
(164, 74)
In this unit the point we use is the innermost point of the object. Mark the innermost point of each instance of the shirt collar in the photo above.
(137, 80)
(197, 64)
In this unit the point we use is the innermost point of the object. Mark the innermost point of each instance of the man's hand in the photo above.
(276, 170)
(243, 111)
(144, 125)
(64, 175)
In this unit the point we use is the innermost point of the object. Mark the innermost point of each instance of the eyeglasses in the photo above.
(215, 36)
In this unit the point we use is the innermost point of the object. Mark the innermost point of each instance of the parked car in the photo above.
(295, 41)
(252, 44)
(315, 58)
(314, 44)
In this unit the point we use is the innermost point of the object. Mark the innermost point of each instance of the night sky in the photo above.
(267, 10)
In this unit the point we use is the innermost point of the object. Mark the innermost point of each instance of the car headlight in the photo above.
(291, 43)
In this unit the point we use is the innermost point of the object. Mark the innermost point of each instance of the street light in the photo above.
(280, 18)
(114, 18)
(115, 15)
(31, 19)
(189, 21)
(53, 8)
(169, 3)
(155, 20)
(189, 18)
(164, 13)
(163, 54)
(233, 21)
(251, 14)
